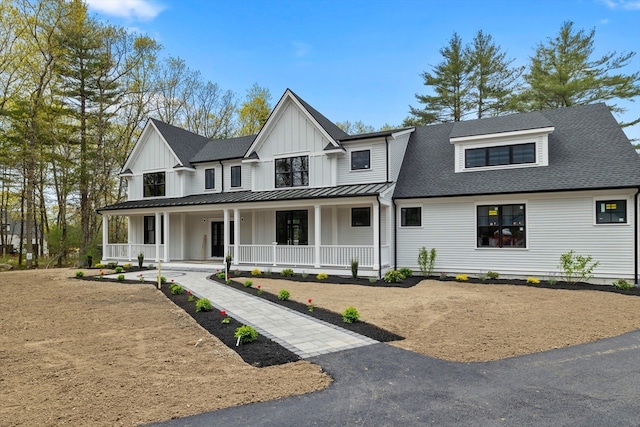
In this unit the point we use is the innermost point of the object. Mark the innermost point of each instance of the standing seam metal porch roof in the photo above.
(255, 196)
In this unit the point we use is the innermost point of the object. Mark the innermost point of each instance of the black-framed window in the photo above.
(292, 172)
(150, 230)
(411, 217)
(209, 179)
(501, 155)
(361, 217)
(611, 211)
(501, 226)
(153, 184)
(292, 227)
(360, 160)
(236, 176)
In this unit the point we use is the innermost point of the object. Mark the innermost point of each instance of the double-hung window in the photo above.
(292, 172)
(209, 179)
(501, 226)
(236, 176)
(153, 184)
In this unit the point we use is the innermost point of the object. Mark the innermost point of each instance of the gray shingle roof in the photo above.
(299, 193)
(332, 129)
(184, 143)
(224, 149)
(514, 122)
(587, 150)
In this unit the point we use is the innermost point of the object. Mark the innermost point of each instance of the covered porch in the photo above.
(306, 236)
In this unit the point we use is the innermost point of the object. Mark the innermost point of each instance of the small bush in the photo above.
(112, 265)
(221, 275)
(483, 277)
(373, 279)
(163, 279)
(99, 265)
(256, 272)
(622, 284)
(126, 266)
(426, 261)
(493, 275)
(406, 272)
(246, 334)
(287, 272)
(259, 291)
(120, 277)
(119, 269)
(533, 280)
(462, 277)
(203, 304)
(350, 315)
(443, 276)
(304, 275)
(268, 272)
(577, 268)
(283, 295)
(248, 283)
(393, 276)
(310, 305)
(354, 268)
(177, 289)
(190, 298)
(322, 276)
(79, 274)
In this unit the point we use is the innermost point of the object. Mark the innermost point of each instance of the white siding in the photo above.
(556, 223)
(195, 181)
(397, 148)
(378, 170)
(245, 177)
(348, 235)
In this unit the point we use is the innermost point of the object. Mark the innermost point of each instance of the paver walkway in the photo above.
(301, 334)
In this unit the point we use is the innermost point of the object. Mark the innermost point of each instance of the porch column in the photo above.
(225, 232)
(376, 236)
(183, 230)
(334, 225)
(236, 235)
(317, 217)
(167, 237)
(129, 237)
(105, 236)
(158, 231)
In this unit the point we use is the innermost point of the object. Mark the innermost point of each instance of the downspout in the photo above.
(379, 238)
(395, 235)
(386, 141)
(221, 176)
(635, 237)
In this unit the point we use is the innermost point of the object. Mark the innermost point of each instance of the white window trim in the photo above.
(204, 173)
(607, 198)
(288, 155)
(351, 163)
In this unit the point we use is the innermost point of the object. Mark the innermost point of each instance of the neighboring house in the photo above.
(508, 194)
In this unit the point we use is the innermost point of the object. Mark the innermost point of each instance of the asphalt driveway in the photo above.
(596, 384)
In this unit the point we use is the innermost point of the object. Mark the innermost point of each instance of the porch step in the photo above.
(299, 333)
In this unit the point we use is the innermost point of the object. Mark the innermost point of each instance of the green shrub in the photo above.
(426, 261)
(283, 295)
(393, 276)
(99, 265)
(406, 272)
(246, 334)
(120, 277)
(163, 279)
(304, 275)
(126, 266)
(177, 289)
(354, 268)
(373, 279)
(287, 272)
(112, 265)
(268, 272)
(248, 283)
(350, 315)
(256, 272)
(203, 304)
(79, 274)
(493, 275)
(577, 268)
(221, 275)
(119, 269)
(322, 276)
(622, 284)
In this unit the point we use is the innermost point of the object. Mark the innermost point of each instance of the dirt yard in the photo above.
(103, 354)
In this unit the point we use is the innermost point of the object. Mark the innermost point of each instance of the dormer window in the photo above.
(209, 179)
(500, 155)
(153, 184)
(292, 172)
(360, 160)
(236, 176)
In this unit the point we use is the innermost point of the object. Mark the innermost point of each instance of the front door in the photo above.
(217, 238)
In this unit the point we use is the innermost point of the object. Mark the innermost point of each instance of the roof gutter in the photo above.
(379, 238)
(221, 176)
(635, 237)
(386, 141)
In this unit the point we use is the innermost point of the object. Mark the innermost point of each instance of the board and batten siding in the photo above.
(378, 166)
(555, 224)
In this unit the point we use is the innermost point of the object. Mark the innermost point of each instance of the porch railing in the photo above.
(342, 255)
(129, 252)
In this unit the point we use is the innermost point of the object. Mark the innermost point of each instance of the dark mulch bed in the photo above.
(362, 328)
(260, 353)
(343, 280)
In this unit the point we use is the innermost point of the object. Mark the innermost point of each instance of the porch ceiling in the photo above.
(255, 196)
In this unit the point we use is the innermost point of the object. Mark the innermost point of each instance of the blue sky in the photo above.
(359, 60)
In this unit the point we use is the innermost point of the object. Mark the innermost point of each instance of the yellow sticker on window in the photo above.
(493, 212)
(610, 206)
